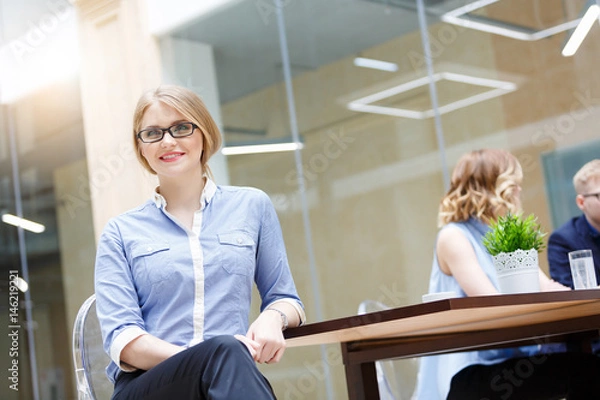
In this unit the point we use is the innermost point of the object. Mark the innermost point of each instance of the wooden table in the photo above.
(443, 326)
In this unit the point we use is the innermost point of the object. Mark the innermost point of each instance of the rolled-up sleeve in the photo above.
(119, 343)
(294, 303)
(273, 276)
(116, 298)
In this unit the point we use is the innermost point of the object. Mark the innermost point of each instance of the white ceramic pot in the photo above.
(518, 271)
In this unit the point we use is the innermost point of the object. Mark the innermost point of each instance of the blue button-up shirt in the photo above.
(155, 276)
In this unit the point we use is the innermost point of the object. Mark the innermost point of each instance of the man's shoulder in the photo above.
(568, 229)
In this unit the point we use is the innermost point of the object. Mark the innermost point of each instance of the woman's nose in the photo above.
(167, 140)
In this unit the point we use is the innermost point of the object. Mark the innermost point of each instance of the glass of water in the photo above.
(582, 269)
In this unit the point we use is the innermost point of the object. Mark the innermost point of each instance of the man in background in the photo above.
(582, 232)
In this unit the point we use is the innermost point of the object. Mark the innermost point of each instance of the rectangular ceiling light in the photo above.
(457, 17)
(261, 148)
(497, 88)
(591, 16)
(23, 223)
(375, 64)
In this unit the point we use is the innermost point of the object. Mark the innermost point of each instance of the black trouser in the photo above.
(574, 376)
(220, 368)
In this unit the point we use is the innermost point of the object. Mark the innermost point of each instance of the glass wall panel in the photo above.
(370, 156)
(543, 100)
(243, 44)
(376, 150)
(560, 166)
(41, 136)
(371, 159)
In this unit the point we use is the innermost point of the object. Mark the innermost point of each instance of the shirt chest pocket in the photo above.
(237, 252)
(152, 261)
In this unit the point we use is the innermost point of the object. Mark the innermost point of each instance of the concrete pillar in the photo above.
(119, 60)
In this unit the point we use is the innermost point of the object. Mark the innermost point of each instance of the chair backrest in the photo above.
(88, 355)
(391, 385)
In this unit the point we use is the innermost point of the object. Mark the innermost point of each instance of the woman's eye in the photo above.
(182, 129)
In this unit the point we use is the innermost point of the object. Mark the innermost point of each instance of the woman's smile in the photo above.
(172, 156)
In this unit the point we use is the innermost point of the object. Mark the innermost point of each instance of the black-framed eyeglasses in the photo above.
(179, 130)
(596, 195)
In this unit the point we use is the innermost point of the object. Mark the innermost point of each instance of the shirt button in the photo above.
(239, 240)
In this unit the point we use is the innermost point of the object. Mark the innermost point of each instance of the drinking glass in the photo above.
(582, 269)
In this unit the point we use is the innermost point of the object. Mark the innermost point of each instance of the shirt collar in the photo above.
(593, 231)
(207, 194)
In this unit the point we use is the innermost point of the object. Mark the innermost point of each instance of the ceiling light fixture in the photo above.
(23, 223)
(457, 17)
(375, 64)
(498, 88)
(21, 284)
(261, 148)
(590, 16)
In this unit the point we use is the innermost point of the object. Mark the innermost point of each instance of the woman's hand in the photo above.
(549, 285)
(250, 344)
(267, 338)
(553, 286)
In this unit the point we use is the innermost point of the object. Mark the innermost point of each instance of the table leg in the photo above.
(361, 379)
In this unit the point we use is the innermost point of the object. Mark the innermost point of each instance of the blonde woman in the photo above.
(174, 276)
(485, 184)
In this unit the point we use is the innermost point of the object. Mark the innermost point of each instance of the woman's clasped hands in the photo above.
(264, 338)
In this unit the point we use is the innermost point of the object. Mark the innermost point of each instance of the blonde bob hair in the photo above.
(484, 185)
(188, 104)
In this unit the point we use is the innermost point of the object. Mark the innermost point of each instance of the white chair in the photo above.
(392, 386)
(88, 355)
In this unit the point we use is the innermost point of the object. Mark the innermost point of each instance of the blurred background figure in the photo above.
(485, 185)
(581, 232)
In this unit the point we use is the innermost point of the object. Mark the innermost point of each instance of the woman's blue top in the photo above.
(436, 372)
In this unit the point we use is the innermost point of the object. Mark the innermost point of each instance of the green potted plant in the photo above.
(514, 242)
